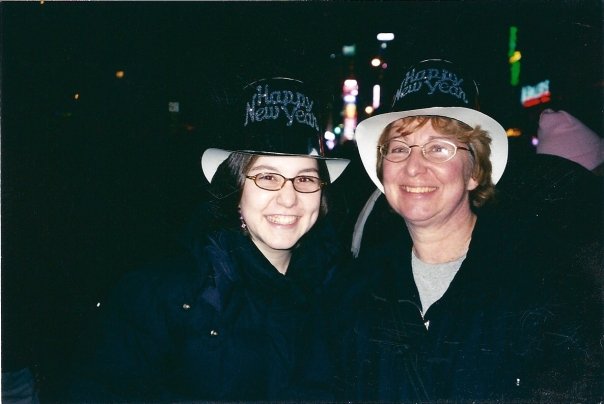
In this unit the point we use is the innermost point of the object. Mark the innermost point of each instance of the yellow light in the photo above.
(350, 111)
(516, 56)
(513, 132)
(76, 96)
(375, 62)
(119, 74)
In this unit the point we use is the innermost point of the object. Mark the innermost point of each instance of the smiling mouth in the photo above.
(282, 219)
(418, 190)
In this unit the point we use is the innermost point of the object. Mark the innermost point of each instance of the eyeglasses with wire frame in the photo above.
(436, 151)
(306, 184)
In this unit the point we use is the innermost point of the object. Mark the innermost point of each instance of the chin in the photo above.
(283, 246)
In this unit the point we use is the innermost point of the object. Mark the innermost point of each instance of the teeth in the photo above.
(419, 190)
(278, 219)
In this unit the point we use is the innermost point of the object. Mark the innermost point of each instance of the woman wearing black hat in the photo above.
(232, 317)
(454, 302)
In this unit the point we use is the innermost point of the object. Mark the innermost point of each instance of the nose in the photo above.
(287, 196)
(416, 163)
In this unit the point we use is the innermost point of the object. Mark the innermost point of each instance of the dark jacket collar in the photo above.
(236, 260)
(393, 280)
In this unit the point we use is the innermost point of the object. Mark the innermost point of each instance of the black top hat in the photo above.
(277, 117)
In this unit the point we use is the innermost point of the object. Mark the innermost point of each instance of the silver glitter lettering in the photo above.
(289, 115)
(266, 104)
(436, 80)
(275, 98)
(260, 96)
(267, 112)
(288, 97)
(432, 73)
(301, 100)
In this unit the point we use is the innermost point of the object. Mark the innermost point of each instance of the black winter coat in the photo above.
(502, 331)
(216, 323)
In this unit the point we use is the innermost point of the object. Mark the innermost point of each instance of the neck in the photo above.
(279, 259)
(445, 243)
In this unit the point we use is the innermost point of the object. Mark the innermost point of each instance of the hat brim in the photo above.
(368, 132)
(212, 158)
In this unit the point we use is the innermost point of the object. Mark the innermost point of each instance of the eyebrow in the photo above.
(275, 170)
(431, 138)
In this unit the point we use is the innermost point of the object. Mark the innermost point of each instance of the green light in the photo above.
(515, 73)
(512, 41)
(514, 57)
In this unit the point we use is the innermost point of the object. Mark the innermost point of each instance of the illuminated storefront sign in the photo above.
(534, 95)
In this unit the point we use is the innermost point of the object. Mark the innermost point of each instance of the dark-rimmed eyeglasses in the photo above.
(436, 151)
(305, 184)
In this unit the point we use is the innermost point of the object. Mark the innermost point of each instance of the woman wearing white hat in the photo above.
(453, 304)
(231, 319)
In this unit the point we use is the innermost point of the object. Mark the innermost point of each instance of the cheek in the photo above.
(250, 201)
(388, 173)
(313, 207)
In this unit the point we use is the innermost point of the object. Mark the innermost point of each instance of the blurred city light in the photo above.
(537, 94)
(350, 110)
(369, 110)
(516, 56)
(349, 50)
(385, 36)
(337, 130)
(375, 62)
(76, 96)
(351, 87)
(349, 92)
(329, 135)
(376, 96)
(119, 74)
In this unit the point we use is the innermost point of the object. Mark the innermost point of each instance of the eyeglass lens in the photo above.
(437, 151)
(274, 182)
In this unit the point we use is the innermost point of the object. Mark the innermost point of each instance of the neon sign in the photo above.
(534, 95)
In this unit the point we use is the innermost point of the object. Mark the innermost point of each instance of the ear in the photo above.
(472, 184)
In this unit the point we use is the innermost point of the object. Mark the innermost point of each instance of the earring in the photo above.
(243, 225)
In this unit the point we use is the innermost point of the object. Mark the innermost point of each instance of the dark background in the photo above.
(97, 186)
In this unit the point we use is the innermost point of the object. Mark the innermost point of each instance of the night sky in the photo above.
(96, 186)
